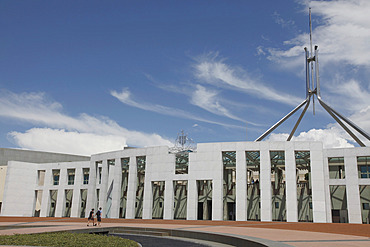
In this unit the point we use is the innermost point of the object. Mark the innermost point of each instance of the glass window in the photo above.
(86, 174)
(71, 176)
(182, 162)
(56, 174)
(41, 177)
(336, 168)
(100, 172)
(363, 164)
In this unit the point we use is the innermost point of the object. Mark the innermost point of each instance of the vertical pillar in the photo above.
(46, 194)
(61, 201)
(353, 191)
(290, 184)
(168, 200)
(116, 193)
(148, 193)
(318, 183)
(241, 186)
(103, 187)
(265, 183)
(192, 200)
(218, 189)
(59, 210)
(91, 192)
(131, 189)
(76, 196)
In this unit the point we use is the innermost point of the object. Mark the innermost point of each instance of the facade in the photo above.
(7, 154)
(263, 181)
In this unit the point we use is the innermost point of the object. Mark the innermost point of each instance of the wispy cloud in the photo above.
(342, 35)
(55, 127)
(213, 70)
(283, 22)
(125, 97)
(209, 101)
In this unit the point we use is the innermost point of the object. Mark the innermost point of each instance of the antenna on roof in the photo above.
(313, 89)
(183, 143)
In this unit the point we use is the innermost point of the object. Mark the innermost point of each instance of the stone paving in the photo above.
(275, 233)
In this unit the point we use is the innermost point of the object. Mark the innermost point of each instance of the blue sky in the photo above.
(93, 76)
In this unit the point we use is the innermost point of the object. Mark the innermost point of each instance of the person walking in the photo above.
(91, 217)
(98, 217)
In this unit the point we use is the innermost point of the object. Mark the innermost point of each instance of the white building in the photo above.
(267, 181)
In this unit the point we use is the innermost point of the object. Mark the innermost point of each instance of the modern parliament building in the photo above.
(243, 181)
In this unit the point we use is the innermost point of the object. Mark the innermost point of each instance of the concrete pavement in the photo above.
(266, 233)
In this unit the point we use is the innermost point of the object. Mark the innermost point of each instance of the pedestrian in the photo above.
(91, 217)
(98, 216)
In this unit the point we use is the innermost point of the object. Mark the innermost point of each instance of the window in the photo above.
(56, 174)
(71, 176)
(86, 172)
(182, 162)
(41, 177)
(336, 168)
(100, 170)
(363, 166)
(365, 206)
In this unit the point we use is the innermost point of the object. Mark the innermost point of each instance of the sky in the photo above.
(85, 77)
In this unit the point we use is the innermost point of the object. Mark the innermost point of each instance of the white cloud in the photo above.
(209, 100)
(331, 138)
(62, 141)
(125, 97)
(213, 70)
(342, 35)
(350, 95)
(35, 108)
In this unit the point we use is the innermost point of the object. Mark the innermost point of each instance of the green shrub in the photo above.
(65, 239)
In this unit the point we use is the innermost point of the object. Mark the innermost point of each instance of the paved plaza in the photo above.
(268, 233)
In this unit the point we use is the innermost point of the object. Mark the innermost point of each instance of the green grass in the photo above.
(65, 239)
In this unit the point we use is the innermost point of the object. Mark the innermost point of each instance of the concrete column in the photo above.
(218, 189)
(265, 183)
(76, 202)
(241, 186)
(107, 207)
(168, 200)
(61, 201)
(148, 194)
(131, 189)
(318, 183)
(192, 200)
(290, 184)
(353, 190)
(91, 191)
(217, 200)
(104, 186)
(116, 193)
(46, 194)
(76, 197)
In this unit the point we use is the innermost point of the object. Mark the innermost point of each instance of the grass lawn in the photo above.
(65, 239)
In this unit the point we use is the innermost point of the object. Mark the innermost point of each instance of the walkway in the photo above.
(268, 233)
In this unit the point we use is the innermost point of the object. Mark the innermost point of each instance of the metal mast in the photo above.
(313, 89)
